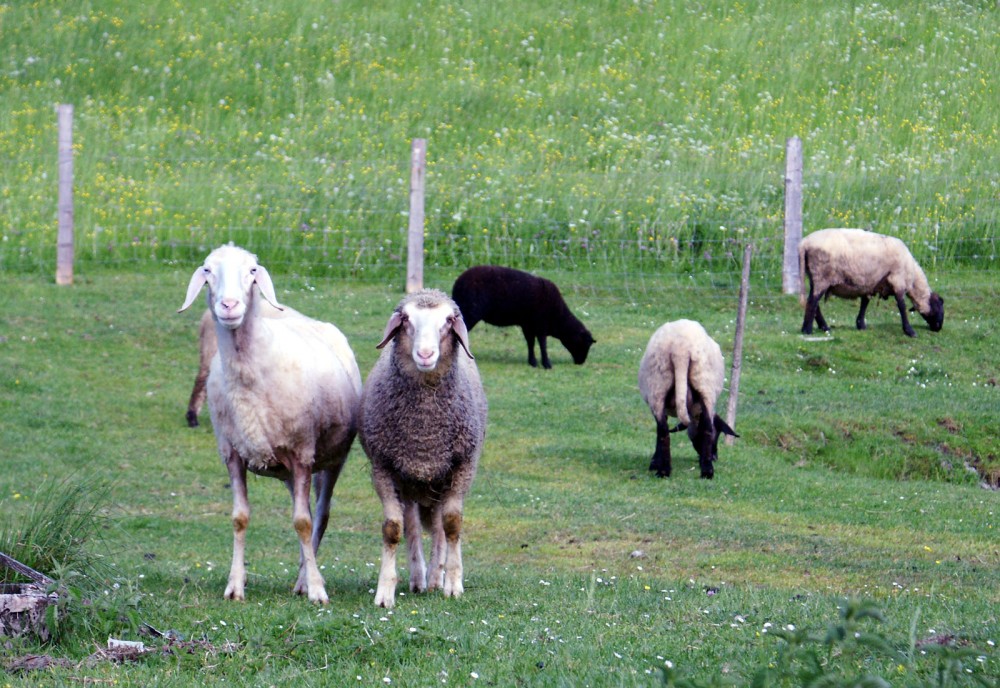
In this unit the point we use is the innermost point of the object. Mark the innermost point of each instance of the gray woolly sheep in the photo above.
(503, 296)
(681, 375)
(853, 263)
(284, 396)
(423, 423)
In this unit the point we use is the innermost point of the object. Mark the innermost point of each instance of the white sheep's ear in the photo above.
(263, 280)
(391, 328)
(459, 328)
(198, 280)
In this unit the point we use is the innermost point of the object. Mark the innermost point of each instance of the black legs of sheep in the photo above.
(704, 437)
(813, 312)
(661, 455)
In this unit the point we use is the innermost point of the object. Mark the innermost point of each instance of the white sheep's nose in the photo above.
(230, 312)
(425, 359)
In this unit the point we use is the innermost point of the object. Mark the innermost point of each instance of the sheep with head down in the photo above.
(423, 424)
(854, 263)
(284, 396)
(682, 374)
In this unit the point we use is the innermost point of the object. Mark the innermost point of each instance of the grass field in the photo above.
(849, 481)
(560, 134)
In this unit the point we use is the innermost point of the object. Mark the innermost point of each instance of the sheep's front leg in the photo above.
(413, 532)
(241, 519)
(452, 522)
(859, 322)
(661, 454)
(309, 576)
(392, 531)
(907, 328)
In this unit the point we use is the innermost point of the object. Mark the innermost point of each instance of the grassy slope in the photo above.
(812, 503)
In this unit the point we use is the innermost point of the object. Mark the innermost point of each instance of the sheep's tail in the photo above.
(803, 278)
(681, 366)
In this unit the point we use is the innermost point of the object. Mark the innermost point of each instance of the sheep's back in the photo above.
(680, 344)
(504, 296)
(855, 262)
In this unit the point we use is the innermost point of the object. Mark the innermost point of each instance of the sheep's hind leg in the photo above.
(813, 312)
(241, 519)
(661, 455)
(413, 532)
(302, 522)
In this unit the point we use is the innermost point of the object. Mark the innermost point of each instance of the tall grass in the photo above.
(558, 134)
(61, 530)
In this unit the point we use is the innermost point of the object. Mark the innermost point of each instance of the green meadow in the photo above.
(626, 150)
(580, 134)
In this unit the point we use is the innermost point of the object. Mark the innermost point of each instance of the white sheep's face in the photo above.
(230, 273)
(426, 327)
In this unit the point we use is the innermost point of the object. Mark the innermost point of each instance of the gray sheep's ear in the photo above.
(198, 280)
(459, 328)
(391, 328)
(263, 280)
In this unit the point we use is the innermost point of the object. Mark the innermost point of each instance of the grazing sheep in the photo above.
(208, 345)
(503, 296)
(423, 423)
(681, 375)
(853, 263)
(284, 396)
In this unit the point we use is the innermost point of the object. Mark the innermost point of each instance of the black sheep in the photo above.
(504, 296)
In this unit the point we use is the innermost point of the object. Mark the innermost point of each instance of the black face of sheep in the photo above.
(935, 317)
(706, 443)
(579, 345)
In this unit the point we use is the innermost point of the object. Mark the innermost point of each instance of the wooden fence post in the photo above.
(415, 240)
(741, 317)
(793, 215)
(64, 241)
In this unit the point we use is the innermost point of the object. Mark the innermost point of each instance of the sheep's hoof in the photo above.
(192, 419)
(385, 600)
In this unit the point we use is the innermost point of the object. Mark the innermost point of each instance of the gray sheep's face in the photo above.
(427, 332)
(230, 273)
(427, 328)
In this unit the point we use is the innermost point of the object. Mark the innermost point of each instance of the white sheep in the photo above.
(423, 424)
(682, 374)
(284, 397)
(853, 263)
(207, 346)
